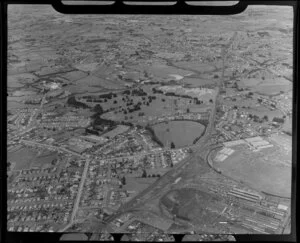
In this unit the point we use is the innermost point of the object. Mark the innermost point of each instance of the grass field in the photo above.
(26, 158)
(181, 133)
(23, 158)
(161, 106)
(74, 75)
(44, 160)
(197, 66)
(264, 171)
(18, 80)
(163, 71)
(196, 82)
(265, 83)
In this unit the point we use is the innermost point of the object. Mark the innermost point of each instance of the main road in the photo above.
(167, 179)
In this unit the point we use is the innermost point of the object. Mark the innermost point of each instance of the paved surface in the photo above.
(77, 200)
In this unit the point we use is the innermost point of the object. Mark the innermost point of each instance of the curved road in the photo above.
(165, 181)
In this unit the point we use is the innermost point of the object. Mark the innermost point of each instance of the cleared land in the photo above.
(194, 206)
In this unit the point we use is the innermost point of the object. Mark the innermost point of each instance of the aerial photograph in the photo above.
(149, 125)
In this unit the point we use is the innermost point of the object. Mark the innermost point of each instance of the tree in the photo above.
(123, 180)
(172, 145)
(144, 174)
(98, 108)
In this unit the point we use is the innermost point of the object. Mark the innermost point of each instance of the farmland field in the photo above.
(197, 66)
(196, 82)
(19, 80)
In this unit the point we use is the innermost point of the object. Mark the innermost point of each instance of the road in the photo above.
(78, 196)
(166, 180)
(77, 200)
(48, 146)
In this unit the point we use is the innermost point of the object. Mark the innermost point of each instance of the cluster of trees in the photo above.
(77, 104)
(91, 131)
(197, 139)
(137, 106)
(172, 145)
(98, 109)
(256, 118)
(196, 100)
(144, 174)
(138, 92)
(108, 96)
(126, 92)
(153, 135)
(100, 98)
(135, 92)
(278, 120)
(99, 123)
(157, 91)
(123, 180)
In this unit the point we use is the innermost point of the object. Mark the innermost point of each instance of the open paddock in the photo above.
(197, 66)
(74, 75)
(263, 170)
(197, 82)
(19, 80)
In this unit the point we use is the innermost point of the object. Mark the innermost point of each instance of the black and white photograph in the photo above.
(150, 125)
